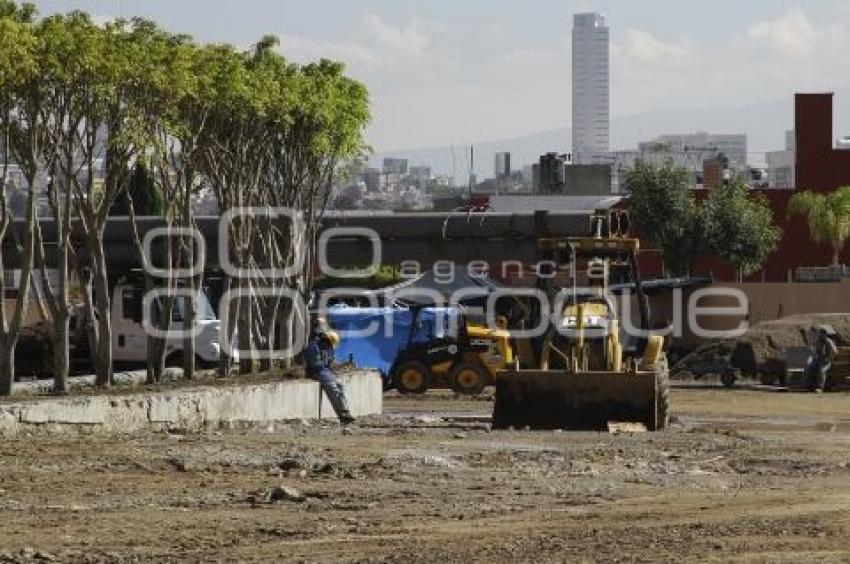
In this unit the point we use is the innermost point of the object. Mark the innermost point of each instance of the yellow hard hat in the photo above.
(332, 336)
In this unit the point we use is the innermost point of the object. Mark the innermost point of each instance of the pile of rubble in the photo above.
(767, 342)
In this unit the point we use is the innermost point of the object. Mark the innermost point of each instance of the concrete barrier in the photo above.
(190, 409)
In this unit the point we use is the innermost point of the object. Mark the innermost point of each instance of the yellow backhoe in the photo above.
(584, 371)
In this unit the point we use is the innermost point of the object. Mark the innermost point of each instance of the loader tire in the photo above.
(662, 400)
(469, 378)
(412, 377)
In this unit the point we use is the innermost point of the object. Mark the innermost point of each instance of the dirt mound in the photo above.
(766, 342)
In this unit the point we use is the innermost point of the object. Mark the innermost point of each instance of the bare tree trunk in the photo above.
(272, 314)
(285, 327)
(62, 312)
(103, 356)
(190, 314)
(226, 333)
(244, 331)
(91, 314)
(7, 364)
(62, 306)
(9, 333)
(61, 356)
(155, 360)
(166, 311)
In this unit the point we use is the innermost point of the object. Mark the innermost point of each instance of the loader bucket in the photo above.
(554, 399)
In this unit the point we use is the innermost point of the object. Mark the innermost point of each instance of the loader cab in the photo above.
(597, 313)
(463, 354)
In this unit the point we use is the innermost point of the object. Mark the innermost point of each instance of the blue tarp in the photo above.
(388, 332)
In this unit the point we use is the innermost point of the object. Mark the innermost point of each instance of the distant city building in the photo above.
(698, 147)
(552, 174)
(587, 180)
(391, 182)
(621, 162)
(781, 164)
(535, 178)
(372, 179)
(528, 177)
(395, 166)
(421, 175)
(502, 165)
(712, 174)
(591, 119)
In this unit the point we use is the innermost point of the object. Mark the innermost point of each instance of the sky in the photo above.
(443, 72)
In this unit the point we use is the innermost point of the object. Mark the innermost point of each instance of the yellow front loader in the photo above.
(584, 371)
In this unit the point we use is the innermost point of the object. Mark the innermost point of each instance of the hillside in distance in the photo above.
(765, 125)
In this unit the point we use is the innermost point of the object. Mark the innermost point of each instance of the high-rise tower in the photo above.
(591, 120)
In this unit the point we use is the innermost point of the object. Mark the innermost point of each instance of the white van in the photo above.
(130, 341)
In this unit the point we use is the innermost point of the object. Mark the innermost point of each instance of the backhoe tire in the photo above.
(662, 400)
(412, 377)
(469, 378)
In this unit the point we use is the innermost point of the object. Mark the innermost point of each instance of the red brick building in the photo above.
(819, 167)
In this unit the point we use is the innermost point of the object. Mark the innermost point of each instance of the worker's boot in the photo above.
(336, 393)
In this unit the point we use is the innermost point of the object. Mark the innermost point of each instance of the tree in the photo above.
(828, 216)
(20, 107)
(316, 120)
(143, 193)
(232, 158)
(122, 78)
(665, 213)
(166, 105)
(329, 120)
(273, 138)
(739, 227)
(64, 53)
(127, 114)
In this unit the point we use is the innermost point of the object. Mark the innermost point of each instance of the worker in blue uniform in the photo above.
(319, 360)
(825, 352)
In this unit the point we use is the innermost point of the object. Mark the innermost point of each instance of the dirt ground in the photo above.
(742, 475)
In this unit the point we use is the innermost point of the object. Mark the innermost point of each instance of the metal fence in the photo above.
(821, 273)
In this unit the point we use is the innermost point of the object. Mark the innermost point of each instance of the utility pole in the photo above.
(471, 167)
(454, 170)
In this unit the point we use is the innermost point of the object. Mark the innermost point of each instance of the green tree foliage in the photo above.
(738, 226)
(665, 213)
(159, 116)
(274, 135)
(828, 216)
(21, 101)
(732, 223)
(143, 192)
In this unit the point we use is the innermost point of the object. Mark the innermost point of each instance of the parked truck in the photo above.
(130, 339)
(34, 356)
